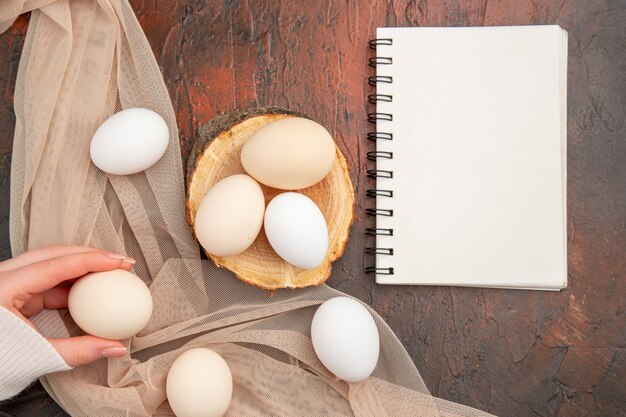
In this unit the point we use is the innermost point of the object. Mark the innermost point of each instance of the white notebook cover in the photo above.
(479, 156)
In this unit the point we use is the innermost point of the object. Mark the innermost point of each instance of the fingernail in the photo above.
(114, 352)
(124, 258)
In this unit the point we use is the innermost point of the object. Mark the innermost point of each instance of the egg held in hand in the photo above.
(230, 216)
(296, 230)
(289, 154)
(130, 141)
(199, 384)
(345, 338)
(113, 304)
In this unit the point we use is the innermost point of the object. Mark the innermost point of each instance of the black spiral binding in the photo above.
(380, 60)
(373, 117)
(379, 193)
(379, 173)
(374, 136)
(379, 251)
(379, 79)
(375, 98)
(375, 155)
(379, 271)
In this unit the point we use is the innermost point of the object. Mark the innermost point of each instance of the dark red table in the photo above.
(513, 353)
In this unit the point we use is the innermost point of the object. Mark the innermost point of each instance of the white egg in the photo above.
(199, 384)
(112, 305)
(296, 230)
(230, 216)
(129, 141)
(345, 338)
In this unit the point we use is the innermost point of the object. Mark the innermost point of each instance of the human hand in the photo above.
(41, 278)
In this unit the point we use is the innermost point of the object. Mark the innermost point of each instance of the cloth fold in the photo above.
(82, 61)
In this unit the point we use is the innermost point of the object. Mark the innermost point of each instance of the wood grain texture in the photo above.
(512, 353)
(217, 154)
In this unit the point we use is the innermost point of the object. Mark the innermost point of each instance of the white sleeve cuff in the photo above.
(25, 355)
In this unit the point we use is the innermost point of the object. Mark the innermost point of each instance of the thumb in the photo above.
(82, 350)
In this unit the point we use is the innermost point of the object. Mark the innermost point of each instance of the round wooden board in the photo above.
(216, 155)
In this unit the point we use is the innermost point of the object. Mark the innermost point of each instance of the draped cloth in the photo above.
(82, 61)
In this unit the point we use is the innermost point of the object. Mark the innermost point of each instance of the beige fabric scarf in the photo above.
(82, 61)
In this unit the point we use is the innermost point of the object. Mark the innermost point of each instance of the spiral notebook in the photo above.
(470, 156)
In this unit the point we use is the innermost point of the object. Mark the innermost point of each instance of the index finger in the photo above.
(40, 254)
(43, 275)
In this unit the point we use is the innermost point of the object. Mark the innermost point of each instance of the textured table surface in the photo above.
(512, 353)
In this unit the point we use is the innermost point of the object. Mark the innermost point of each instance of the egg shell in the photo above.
(296, 230)
(130, 141)
(199, 384)
(112, 305)
(289, 154)
(230, 216)
(345, 339)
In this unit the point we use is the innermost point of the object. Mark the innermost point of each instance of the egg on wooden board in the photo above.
(345, 338)
(230, 216)
(199, 384)
(113, 304)
(130, 141)
(289, 154)
(296, 230)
